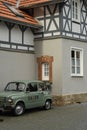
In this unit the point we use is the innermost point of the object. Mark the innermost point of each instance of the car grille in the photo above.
(1, 101)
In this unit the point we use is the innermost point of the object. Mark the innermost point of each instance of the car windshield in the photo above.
(15, 86)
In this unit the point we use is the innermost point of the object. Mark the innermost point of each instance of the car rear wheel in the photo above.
(19, 109)
(48, 105)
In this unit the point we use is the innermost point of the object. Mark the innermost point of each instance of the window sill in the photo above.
(79, 76)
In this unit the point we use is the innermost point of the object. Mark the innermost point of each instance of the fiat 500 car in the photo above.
(20, 95)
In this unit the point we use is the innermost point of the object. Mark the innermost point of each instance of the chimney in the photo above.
(18, 2)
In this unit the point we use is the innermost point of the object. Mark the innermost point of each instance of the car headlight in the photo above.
(10, 100)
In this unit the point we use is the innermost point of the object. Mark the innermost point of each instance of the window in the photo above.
(76, 10)
(32, 87)
(15, 86)
(76, 62)
(45, 71)
(41, 86)
(45, 68)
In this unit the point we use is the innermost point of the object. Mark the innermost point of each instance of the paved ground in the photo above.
(73, 117)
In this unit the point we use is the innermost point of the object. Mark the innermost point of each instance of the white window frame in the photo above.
(76, 10)
(75, 49)
(45, 71)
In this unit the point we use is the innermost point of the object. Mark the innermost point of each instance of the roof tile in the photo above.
(28, 3)
(8, 14)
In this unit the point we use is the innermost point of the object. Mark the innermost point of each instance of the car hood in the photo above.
(10, 94)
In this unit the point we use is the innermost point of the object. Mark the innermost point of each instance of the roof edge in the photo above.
(19, 22)
(41, 4)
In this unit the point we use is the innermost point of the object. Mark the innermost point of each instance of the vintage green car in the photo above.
(21, 95)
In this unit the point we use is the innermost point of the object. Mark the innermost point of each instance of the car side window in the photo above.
(32, 87)
(41, 87)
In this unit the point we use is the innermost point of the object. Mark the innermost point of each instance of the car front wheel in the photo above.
(19, 109)
(48, 105)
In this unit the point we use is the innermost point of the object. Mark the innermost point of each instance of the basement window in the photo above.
(13, 9)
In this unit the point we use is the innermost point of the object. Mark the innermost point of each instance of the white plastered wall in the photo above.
(16, 66)
(53, 48)
(73, 85)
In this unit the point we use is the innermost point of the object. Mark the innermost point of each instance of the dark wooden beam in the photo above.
(85, 4)
(9, 26)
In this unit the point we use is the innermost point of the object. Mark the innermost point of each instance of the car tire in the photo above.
(19, 109)
(47, 105)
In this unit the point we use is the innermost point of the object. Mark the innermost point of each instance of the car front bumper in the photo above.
(7, 108)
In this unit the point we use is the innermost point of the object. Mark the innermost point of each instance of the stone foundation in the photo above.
(69, 99)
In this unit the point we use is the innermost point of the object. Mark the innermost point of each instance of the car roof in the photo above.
(27, 81)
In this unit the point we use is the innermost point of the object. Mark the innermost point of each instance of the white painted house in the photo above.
(46, 40)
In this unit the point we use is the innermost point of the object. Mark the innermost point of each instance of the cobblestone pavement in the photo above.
(72, 117)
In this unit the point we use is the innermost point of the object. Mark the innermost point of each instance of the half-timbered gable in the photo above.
(74, 22)
(65, 18)
(49, 17)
